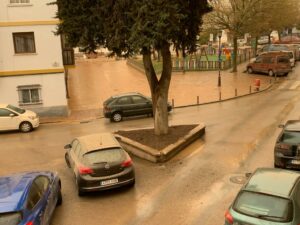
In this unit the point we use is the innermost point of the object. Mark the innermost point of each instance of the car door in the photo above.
(142, 105)
(125, 106)
(48, 197)
(35, 205)
(257, 64)
(8, 120)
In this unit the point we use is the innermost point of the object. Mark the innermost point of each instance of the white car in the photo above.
(14, 118)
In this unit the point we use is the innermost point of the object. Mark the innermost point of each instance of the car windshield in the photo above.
(12, 218)
(291, 137)
(16, 109)
(266, 207)
(107, 155)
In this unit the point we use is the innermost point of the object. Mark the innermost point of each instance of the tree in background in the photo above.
(131, 27)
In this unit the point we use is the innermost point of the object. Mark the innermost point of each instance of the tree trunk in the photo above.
(234, 58)
(159, 88)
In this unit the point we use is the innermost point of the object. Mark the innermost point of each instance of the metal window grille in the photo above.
(30, 94)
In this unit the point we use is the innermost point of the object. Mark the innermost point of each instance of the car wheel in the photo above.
(59, 198)
(271, 73)
(117, 117)
(67, 160)
(249, 70)
(25, 127)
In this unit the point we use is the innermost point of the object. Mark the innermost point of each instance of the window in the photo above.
(24, 42)
(42, 183)
(124, 101)
(138, 100)
(34, 196)
(19, 1)
(30, 94)
(5, 113)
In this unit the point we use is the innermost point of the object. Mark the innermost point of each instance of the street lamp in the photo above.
(219, 58)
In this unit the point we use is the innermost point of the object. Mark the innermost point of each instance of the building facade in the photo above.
(32, 67)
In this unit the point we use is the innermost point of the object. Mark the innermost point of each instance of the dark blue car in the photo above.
(29, 198)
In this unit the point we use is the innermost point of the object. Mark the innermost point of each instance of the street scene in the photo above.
(111, 125)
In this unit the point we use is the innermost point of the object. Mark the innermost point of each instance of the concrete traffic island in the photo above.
(163, 155)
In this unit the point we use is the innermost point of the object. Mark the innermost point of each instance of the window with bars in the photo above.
(30, 94)
(24, 42)
(19, 1)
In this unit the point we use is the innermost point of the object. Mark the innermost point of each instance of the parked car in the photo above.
(287, 147)
(98, 162)
(29, 198)
(14, 118)
(271, 64)
(128, 104)
(270, 196)
(289, 54)
(263, 40)
(273, 47)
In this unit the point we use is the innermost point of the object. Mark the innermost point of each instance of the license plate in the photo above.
(294, 161)
(108, 182)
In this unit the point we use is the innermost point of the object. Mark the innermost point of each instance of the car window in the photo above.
(16, 109)
(42, 183)
(266, 207)
(124, 100)
(77, 150)
(12, 218)
(267, 60)
(5, 112)
(290, 137)
(74, 144)
(109, 155)
(283, 60)
(138, 99)
(33, 197)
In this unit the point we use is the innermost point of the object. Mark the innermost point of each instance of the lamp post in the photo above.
(219, 59)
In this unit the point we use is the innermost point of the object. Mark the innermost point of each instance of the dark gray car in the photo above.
(128, 104)
(287, 148)
(98, 162)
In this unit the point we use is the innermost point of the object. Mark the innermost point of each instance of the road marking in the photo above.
(295, 85)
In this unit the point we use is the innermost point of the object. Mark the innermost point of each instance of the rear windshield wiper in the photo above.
(269, 216)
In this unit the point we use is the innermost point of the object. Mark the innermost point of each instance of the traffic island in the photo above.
(141, 144)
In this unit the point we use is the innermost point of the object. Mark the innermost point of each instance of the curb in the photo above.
(165, 154)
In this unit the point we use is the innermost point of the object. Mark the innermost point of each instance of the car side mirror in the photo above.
(12, 115)
(281, 126)
(68, 146)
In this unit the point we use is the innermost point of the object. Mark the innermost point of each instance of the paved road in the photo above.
(192, 188)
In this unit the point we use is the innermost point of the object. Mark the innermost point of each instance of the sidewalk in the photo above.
(92, 81)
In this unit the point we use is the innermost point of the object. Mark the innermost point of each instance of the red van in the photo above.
(271, 64)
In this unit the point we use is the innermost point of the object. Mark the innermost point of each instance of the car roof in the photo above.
(272, 181)
(98, 141)
(126, 94)
(14, 189)
(292, 125)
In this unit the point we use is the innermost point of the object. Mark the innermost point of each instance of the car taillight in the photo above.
(228, 217)
(127, 163)
(106, 108)
(29, 223)
(283, 146)
(85, 170)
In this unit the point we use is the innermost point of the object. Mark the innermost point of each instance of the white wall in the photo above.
(48, 49)
(17, 12)
(52, 88)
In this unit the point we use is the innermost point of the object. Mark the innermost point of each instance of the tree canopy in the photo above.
(129, 27)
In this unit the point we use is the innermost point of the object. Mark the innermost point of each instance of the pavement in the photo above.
(92, 81)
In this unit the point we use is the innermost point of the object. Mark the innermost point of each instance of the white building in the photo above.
(32, 73)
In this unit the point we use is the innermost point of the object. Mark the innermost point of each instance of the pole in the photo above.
(219, 58)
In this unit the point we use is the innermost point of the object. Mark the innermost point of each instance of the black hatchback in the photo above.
(98, 162)
(287, 148)
(128, 104)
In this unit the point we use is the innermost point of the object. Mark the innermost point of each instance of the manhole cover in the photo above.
(238, 179)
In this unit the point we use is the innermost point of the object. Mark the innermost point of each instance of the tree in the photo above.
(129, 27)
(234, 16)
